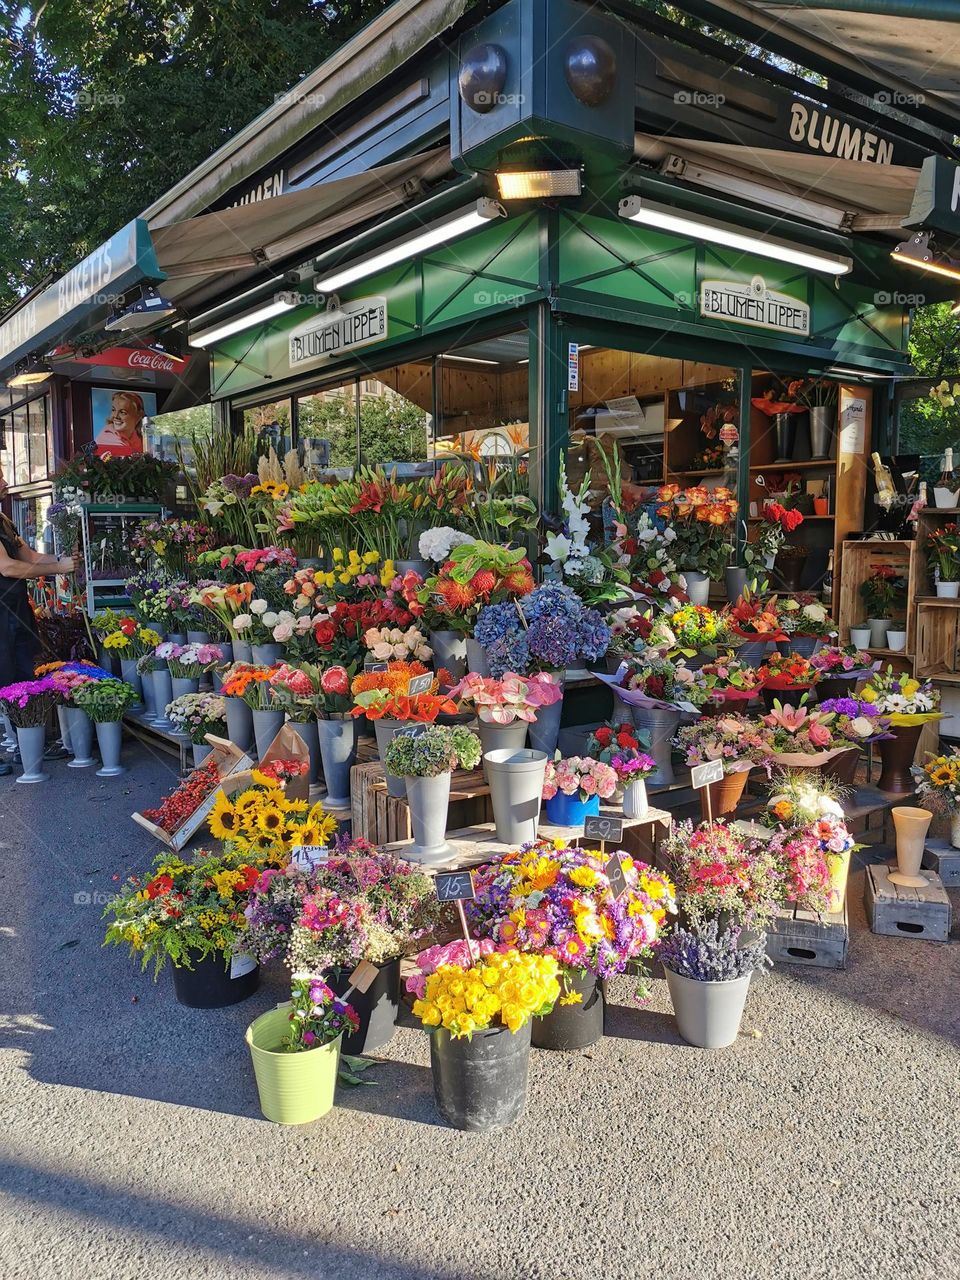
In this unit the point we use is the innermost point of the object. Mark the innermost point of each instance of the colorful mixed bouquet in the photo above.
(859, 722)
(799, 798)
(798, 731)
(729, 680)
(554, 899)
(847, 660)
(188, 661)
(477, 575)
(197, 714)
(903, 698)
(173, 544)
(702, 519)
(662, 681)
(317, 1015)
(788, 671)
(756, 619)
(697, 628)
(717, 871)
(938, 782)
(635, 632)
(805, 616)
(131, 639)
(579, 776)
(734, 739)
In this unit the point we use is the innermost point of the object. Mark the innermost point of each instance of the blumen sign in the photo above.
(354, 324)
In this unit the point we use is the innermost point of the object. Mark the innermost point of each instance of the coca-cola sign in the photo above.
(134, 358)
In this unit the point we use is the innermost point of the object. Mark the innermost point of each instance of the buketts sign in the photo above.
(753, 303)
(354, 324)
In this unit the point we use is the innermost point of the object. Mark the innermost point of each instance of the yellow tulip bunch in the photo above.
(262, 823)
(505, 987)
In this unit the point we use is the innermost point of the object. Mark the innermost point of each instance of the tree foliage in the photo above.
(926, 424)
(105, 105)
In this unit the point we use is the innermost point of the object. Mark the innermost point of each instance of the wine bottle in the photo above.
(886, 489)
(826, 587)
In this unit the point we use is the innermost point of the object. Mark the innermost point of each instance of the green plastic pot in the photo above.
(294, 1088)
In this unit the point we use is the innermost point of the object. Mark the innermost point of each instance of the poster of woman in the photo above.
(118, 419)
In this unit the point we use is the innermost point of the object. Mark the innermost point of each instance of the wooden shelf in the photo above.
(940, 602)
(942, 677)
(757, 519)
(682, 471)
(815, 464)
(938, 511)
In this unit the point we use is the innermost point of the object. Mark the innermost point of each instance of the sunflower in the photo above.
(224, 821)
(309, 833)
(942, 776)
(294, 806)
(261, 845)
(271, 820)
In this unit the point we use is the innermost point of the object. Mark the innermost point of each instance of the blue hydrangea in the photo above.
(494, 622)
(594, 635)
(552, 600)
(509, 653)
(553, 641)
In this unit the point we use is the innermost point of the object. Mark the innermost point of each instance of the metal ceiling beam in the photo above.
(929, 10)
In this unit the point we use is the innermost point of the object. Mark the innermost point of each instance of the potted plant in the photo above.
(190, 914)
(883, 593)
(658, 692)
(732, 738)
(547, 631)
(426, 757)
(295, 1050)
(106, 702)
(708, 972)
(559, 901)
(943, 548)
(938, 788)
(195, 715)
(618, 746)
(786, 674)
(359, 904)
(775, 521)
(702, 519)
(806, 622)
(478, 1006)
(384, 698)
(861, 724)
(910, 704)
(505, 707)
(29, 704)
(574, 787)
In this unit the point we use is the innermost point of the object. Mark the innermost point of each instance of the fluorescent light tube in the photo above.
(665, 218)
(452, 355)
(450, 228)
(275, 307)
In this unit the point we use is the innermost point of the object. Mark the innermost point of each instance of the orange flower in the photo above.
(683, 509)
(667, 492)
(239, 593)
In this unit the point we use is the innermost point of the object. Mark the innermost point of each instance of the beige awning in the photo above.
(218, 252)
(851, 193)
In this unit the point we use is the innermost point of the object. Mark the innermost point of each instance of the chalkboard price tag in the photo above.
(363, 976)
(420, 684)
(455, 886)
(375, 666)
(701, 775)
(601, 827)
(616, 876)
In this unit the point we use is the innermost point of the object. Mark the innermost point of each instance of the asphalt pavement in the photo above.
(823, 1144)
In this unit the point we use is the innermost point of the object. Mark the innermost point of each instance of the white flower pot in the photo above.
(948, 590)
(860, 636)
(944, 497)
(708, 1013)
(897, 641)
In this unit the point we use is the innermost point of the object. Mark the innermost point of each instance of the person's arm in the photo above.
(28, 564)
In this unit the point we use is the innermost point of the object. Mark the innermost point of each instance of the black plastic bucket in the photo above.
(208, 985)
(573, 1026)
(377, 1008)
(480, 1084)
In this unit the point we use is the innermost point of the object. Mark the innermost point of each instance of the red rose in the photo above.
(335, 680)
(626, 740)
(325, 633)
(603, 736)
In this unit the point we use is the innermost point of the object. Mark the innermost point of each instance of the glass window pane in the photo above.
(396, 415)
(271, 422)
(21, 446)
(327, 426)
(484, 408)
(38, 438)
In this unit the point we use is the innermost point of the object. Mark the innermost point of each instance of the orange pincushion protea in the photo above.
(394, 680)
(458, 595)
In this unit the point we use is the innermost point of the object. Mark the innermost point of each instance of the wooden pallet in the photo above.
(797, 936)
(383, 819)
(474, 846)
(940, 856)
(901, 912)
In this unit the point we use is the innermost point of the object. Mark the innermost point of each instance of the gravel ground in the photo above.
(823, 1144)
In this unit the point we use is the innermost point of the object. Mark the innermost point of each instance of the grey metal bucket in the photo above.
(429, 801)
(542, 733)
(242, 651)
(821, 430)
(81, 739)
(493, 737)
(698, 586)
(708, 1013)
(386, 731)
(267, 655)
(338, 753)
(129, 673)
(477, 657)
(163, 692)
(660, 727)
(450, 651)
(239, 723)
(266, 726)
(307, 729)
(516, 789)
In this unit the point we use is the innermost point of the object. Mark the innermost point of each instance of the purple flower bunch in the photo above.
(554, 630)
(29, 702)
(631, 766)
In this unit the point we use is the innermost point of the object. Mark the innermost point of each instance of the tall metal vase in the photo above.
(821, 430)
(450, 651)
(660, 727)
(307, 729)
(81, 739)
(543, 732)
(386, 731)
(239, 723)
(109, 739)
(785, 426)
(338, 755)
(129, 673)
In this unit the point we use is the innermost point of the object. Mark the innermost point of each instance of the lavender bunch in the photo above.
(710, 955)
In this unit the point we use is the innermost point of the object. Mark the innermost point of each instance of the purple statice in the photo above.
(710, 955)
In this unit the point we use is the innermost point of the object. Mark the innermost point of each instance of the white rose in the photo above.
(270, 619)
(862, 726)
(242, 621)
(258, 606)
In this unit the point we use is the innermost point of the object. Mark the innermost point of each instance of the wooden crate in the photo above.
(473, 846)
(938, 640)
(382, 819)
(230, 762)
(802, 937)
(940, 856)
(858, 560)
(901, 912)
